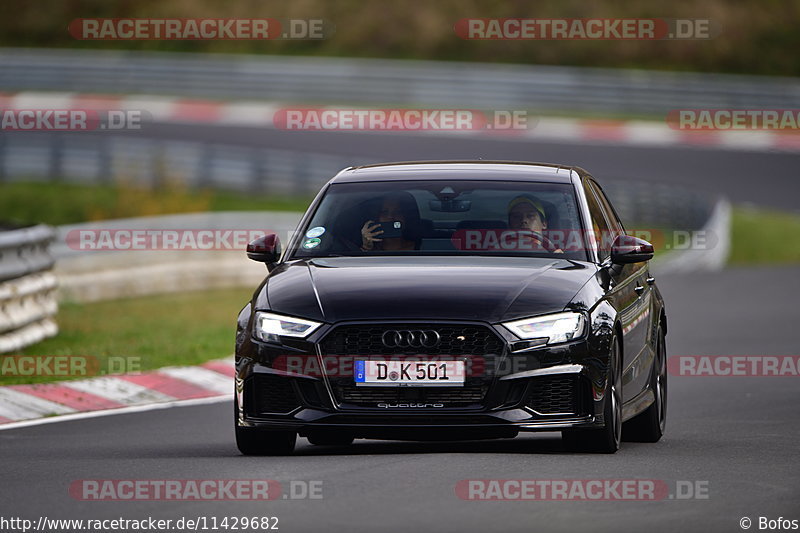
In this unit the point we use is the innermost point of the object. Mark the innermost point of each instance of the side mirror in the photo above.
(265, 249)
(627, 249)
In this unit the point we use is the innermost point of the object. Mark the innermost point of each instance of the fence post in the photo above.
(259, 165)
(55, 170)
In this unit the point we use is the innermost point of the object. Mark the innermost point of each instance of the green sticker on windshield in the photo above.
(311, 243)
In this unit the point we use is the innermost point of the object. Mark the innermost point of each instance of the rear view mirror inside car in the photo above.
(450, 206)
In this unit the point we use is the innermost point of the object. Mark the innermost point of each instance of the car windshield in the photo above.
(415, 217)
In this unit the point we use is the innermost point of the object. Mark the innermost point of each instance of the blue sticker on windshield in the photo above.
(315, 232)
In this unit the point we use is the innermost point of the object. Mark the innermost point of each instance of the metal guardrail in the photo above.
(93, 159)
(27, 287)
(397, 82)
(87, 275)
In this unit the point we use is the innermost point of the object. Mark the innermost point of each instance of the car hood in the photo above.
(444, 288)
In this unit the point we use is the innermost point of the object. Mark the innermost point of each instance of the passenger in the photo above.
(397, 207)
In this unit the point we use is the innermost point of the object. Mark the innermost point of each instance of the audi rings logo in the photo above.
(415, 338)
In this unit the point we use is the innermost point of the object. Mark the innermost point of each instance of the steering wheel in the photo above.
(348, 245)
(544, 241)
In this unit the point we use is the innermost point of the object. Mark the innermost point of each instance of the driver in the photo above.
(527, 213)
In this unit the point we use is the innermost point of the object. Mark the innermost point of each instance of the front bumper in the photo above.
(544, 389)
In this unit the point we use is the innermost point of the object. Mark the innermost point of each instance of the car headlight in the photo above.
(269, 327)
(560, 327)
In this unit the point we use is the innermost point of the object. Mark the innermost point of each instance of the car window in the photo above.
(600, 226)
(445, 218)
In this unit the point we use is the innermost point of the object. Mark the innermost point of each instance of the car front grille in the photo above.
(555, 395)
(478, 344)
(450, 396)
(272, 394)
(454, 340)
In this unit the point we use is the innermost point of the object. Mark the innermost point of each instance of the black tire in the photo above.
(649, 426)
(330, 439)
(606, 439)
(252, 441)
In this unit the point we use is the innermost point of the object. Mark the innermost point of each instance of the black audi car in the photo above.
(453, 300)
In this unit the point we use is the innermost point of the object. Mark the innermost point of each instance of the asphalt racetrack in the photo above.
(732, 441)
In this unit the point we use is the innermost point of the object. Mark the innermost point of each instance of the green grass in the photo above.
(150, 332)
(762, 236)
(59, 203)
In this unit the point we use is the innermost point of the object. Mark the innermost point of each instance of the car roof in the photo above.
(459, 170)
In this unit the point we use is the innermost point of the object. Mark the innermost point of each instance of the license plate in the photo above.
(402, 373)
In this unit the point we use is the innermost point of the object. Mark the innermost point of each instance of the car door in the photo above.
(629, 293)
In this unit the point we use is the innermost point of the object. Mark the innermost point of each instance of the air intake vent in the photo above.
(450, 397)
(550, 395)
(272, 394)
